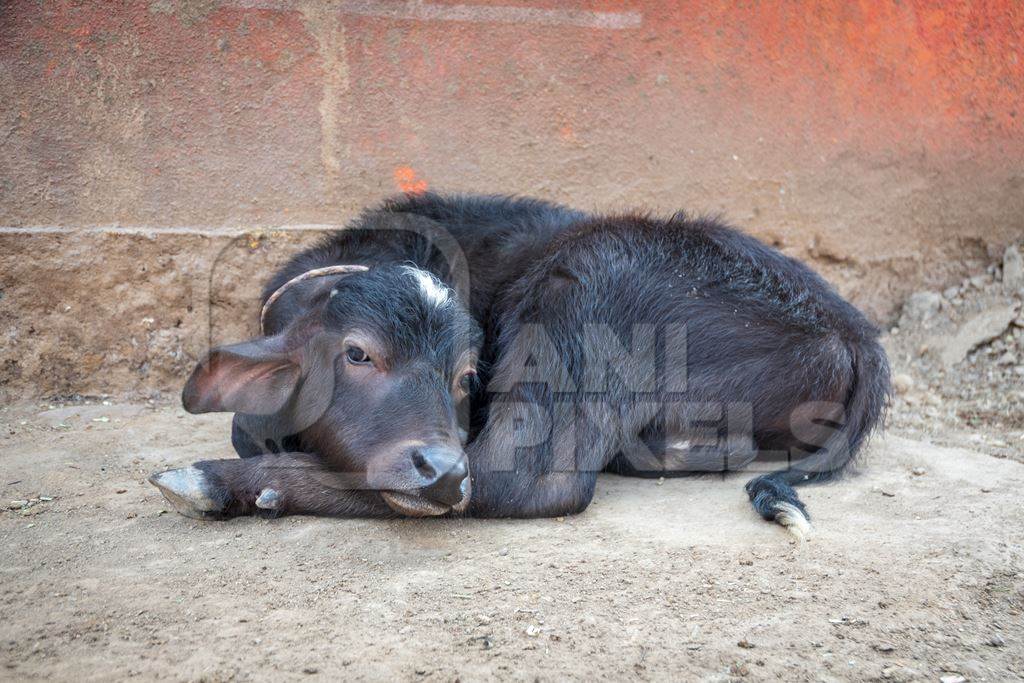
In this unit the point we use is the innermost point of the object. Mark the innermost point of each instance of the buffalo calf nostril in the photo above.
(424, 468)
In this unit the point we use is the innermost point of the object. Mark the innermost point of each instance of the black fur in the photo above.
(766, 339)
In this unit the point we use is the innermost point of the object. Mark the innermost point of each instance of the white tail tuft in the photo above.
(794, 519)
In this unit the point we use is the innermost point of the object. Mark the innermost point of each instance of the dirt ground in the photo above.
(915, 570)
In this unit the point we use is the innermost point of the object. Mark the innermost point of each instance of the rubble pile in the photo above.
(958, 359)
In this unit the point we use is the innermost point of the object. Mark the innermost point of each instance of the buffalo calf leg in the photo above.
(286, 483)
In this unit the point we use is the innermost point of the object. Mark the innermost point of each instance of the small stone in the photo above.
(950, 293)
(310, 670)
(920, 307)
(17, 504)
(996, 641)
(982, 328)
(1013, 268)
(901, 673)
(903, 383)
(884, 647)
(746, 644)
(121, 491)
(953, 678)
(918, 471)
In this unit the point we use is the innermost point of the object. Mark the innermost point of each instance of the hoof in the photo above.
(189, 491)
(269, 499)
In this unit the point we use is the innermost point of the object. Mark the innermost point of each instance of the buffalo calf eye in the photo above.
(467, 381)
(356, 355)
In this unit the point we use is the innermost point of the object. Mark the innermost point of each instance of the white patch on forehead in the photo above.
(432, 289)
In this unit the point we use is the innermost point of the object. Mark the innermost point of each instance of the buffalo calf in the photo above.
(489, 356)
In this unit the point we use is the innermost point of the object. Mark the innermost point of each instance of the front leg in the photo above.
(538, 456)
(286, 483)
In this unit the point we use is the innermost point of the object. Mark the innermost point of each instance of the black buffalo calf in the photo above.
(490, 356)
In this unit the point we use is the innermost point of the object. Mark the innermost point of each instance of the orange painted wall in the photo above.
(882, 141)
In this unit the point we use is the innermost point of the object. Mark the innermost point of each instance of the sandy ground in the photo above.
(915, 572)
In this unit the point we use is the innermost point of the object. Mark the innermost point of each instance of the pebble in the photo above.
(901, 673)
(920, 307)
(918, 471)
(955, 678)
(982, 328)
(1013, 268)
(903, 383)
(996, 641)
(884, 647)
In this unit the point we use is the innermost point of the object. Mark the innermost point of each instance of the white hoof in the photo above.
(795, 521)
(188, 491)
(268, 499)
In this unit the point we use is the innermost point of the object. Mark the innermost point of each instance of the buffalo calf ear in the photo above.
(254, 377)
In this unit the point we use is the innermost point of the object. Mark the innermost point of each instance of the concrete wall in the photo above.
(880, 140)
